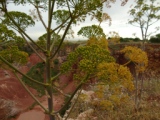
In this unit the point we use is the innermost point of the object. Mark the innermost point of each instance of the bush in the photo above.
(155, 40)
(37, 73)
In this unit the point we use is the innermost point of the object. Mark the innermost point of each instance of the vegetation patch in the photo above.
(37, 73)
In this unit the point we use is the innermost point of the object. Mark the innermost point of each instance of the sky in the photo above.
(119, 15)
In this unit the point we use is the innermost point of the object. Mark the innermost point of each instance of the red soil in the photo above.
(11, 89)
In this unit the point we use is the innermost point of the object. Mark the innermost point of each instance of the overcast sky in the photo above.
(118, 13)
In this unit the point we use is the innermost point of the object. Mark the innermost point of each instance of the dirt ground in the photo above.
(16, 100)
(12, 90)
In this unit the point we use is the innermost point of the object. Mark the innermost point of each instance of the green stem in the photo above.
(25, 87)
(73, 105)
(56, 76)
(11, 66)
(69, 24)
(23, 31)
(32, 48)
(48, 62)
(73, 94)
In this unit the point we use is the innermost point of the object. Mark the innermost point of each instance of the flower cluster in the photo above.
(137, 56)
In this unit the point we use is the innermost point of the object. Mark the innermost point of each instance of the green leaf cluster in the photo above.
(14, 55)
(86, 59)
(22, 20)
(91, 31)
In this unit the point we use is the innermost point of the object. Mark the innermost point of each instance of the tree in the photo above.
(91, 31)
(143, 15)
(14, 55)
(95, 30)
(69, 12)
(9, 37)
(129, 39)
(94, 62)
(6, 34)
(140, 60)
(22, 20)
(155, 39)
(113, 37)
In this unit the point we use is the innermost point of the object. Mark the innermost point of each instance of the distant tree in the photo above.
(92, 31)
(155, 39)
(129, 39)
(95, 30)
(143, 15)
(136, 39)
(22, 20)
(54, 38)
(9, 38)
(113, 37)
(14, 55)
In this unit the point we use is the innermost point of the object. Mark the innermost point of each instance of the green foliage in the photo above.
(155, 39)
(61, 16)
(91, 31)
(137, 56)
(84, 61)
(86, 58)
(42, 3)
(113, 73)
(6, 34)
(9, 37)
(113, 37)
(22, 20)
(37, 73)
(55, 40)
(56, 61)
(14, 55)
(144, 14)
(129, 39)
(102, 42)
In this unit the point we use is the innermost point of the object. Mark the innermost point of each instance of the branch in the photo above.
(39, 15)
(66, 95)
(69, 9)
(61, 25)
(52, 8)
(33, 48)
(25, 87)
(71, 108)
(127, 63)
(65, 32)
(52, 45)
(153, 22)
(73, 94)
(15, 69)
(23, 31)
(56, 76)
(68, 102)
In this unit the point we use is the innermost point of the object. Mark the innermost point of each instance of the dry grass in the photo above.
(148, 109)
